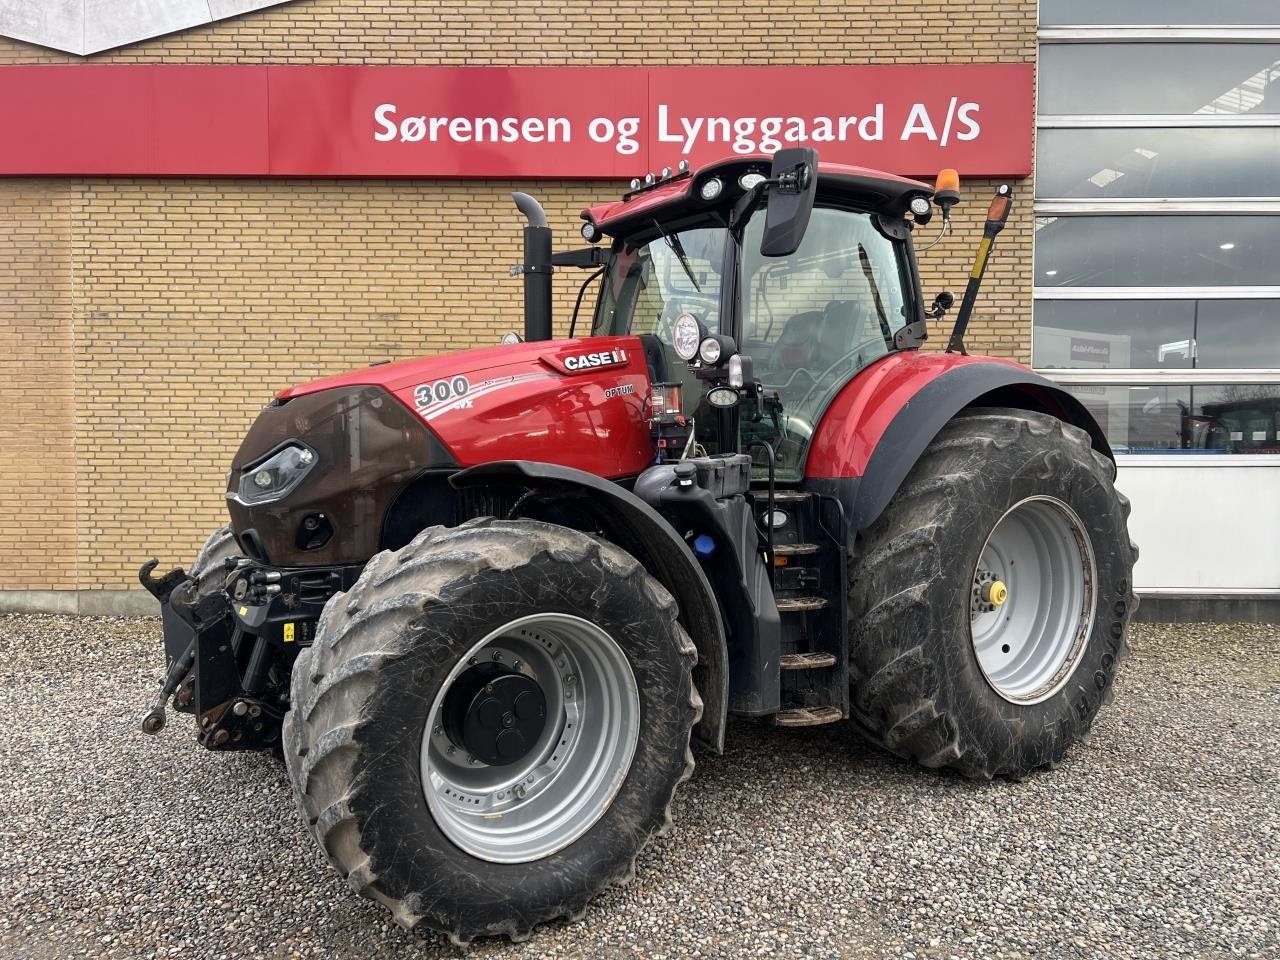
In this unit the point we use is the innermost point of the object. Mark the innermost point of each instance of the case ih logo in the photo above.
(589, 361)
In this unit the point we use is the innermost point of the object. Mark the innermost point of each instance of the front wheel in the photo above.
(491, 724)
(989, 603)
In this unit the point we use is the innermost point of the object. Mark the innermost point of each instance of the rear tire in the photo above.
(365, 742)
(933, 677)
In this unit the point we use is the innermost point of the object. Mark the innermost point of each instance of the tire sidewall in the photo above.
(408, 849)
(1024, 736)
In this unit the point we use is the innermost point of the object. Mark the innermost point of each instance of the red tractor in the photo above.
(482, 602)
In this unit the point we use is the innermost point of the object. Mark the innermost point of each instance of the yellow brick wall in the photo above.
(174, 308)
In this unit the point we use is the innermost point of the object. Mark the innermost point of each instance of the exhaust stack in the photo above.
(537, 268)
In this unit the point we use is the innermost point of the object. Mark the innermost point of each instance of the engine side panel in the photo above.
(579, 403)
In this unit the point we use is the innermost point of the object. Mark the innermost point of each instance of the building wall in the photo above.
(147, 320)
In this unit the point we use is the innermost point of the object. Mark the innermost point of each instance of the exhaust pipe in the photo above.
(537, 268)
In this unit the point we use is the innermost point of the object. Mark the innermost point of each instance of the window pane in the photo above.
(1140, 251)
(1209, 78)
(1234, 419)
(1091, 334)
(1147, 162)
(1171, 12)
(1138, 419)
(1185, 419)
(1238, 333)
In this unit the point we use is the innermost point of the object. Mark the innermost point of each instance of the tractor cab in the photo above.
(804, 284)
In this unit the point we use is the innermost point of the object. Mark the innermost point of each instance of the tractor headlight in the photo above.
(709, 351)
(276, 476)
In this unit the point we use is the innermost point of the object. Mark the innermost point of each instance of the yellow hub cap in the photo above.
(997, 592)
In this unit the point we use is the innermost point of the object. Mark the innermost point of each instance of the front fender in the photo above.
(640, 530)
(878, 426)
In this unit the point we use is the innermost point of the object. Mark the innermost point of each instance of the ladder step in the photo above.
(795, 549)
(807, 661)
(800, 604)
(782, 496)
(807, 716)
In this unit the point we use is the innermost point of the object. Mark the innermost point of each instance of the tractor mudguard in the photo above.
(897, 414)
(637, 528)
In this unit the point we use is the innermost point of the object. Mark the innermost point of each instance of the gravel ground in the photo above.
(1159, 837)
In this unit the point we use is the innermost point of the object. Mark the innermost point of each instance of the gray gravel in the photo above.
(1159, 837)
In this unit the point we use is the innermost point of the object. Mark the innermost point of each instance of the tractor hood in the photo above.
(578, 403)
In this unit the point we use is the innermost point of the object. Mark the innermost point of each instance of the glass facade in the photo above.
(1157, 288)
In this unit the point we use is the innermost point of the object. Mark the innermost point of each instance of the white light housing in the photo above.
(590, 232)
(650, 179)
(710, 189)
(735, 372)
(635, 183)
(749, 180)
(709, 350)
(682, 166)
(684, 336)
(509, 338)
(666, 172)
(920, 206)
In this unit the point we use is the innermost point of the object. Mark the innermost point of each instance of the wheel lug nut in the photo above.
(570, 679)
(497, 656)
(437, 730)
(520, 791)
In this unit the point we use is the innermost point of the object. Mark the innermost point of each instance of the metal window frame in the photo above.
(1158, 33)
(1156, 293)
(1091, 121)
(1198, 206)
(1160, 376)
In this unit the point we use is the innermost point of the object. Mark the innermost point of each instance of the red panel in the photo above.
(552, 122)
(514, 403)
(862, 411)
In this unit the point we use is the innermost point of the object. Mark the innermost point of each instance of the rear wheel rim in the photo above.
(556, 791)
(1029, 645)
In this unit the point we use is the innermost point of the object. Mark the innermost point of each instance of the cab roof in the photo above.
(680, 196)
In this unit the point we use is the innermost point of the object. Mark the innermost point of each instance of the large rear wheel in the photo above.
(491, 724)
(989, 602)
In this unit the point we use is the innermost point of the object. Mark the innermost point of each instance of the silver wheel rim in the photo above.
(557, 791)
(1029, 645)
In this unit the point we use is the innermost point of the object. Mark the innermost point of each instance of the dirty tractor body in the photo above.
(483, 602)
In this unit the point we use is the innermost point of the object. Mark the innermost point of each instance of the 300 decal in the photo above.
(442, 391)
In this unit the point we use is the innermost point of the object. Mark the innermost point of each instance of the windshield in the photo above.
(809, 321)
(812, 320)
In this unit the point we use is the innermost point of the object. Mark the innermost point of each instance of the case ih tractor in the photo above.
(482, 602)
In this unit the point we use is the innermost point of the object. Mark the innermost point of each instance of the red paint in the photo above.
(860, 413)
(518, 405)
(280, 120)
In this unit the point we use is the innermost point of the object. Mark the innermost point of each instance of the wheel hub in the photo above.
(495, 713)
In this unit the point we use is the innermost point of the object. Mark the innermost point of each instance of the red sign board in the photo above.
(537, 122)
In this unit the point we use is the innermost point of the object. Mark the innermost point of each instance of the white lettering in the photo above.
(918, 122)
(965, 115)
(871, 127)
(388, 131)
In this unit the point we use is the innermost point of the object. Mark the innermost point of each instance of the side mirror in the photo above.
(793, 186)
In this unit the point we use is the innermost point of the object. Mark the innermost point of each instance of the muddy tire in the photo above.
(208, 569)
(384, 752)
(989, 603)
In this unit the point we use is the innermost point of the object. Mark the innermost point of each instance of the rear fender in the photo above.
(896, 415)
(640, 530)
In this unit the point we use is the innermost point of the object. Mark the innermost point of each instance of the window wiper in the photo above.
(875, 294)
(673, 241)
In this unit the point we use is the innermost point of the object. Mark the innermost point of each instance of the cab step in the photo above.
(795, 549)
(807, 661)
(807, 716)
(800, 604)
(783, 496)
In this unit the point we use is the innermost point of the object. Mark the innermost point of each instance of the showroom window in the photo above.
(1157, 285)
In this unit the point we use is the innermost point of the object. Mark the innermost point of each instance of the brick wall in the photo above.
(145, 321)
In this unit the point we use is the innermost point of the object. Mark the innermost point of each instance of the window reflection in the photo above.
(1140, 162)
(1154, 78)
(1172, 12)
(1182, 419)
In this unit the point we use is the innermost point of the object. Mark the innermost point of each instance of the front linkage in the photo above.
(229, 650)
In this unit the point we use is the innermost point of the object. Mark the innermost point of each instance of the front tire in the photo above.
(401, 754)
(989, 604)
